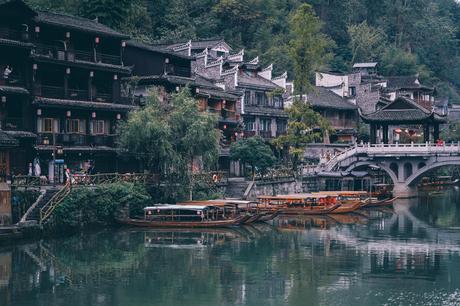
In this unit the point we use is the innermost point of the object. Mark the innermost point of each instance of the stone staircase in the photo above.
(236, 188)
(32, 216)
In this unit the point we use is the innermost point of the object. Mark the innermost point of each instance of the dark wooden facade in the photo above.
(63, 92)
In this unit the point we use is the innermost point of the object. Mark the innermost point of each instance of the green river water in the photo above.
(408, 255)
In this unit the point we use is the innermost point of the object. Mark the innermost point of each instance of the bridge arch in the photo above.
(420, 172)
(388, 171)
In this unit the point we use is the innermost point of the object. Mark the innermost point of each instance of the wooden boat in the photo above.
(299, 204)
(378, 203)
(188, 216)
(269, 216)
(347, 208)
(439, 181)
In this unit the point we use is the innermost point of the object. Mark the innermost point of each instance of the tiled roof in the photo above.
(255, 81)
(13, 90)
(6, 140)
(365, 65)
(82, 104)
(405, 82)
(78, 148)
(323, 98)
(21, 134)
(155, 48)
(78, 23)
(206, 87)
(403, 110)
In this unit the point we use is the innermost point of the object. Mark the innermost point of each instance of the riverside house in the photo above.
(60, 84)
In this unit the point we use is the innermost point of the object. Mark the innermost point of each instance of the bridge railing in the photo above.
(390, 149)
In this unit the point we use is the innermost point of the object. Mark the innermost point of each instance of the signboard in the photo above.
(59, 161)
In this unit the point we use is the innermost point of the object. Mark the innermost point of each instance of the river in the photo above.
(409, 255)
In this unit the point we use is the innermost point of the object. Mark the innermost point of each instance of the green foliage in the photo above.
(308, 47)
(168, 137)
(366, 42)
(254, 152)
(417, 36)
(304, 126)
(98, 206)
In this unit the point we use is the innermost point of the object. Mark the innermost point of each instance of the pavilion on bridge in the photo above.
(403, 120)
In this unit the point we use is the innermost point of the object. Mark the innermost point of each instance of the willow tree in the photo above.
(168, 136)
(308, 47)
(304, 126)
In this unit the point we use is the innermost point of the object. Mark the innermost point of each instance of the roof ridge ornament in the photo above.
(268, 68)
(237, 57)
(218, 61)
(203, 53)
(254, 61)
(282, 76)
(230, 71)
(187, 45)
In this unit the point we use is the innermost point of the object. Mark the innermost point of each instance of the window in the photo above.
(351, 91)
(278, 102)
(281, 126)
(99, 127)
(247, 98)
(249, 124)
(75, 126)
(265, 125)
(47, 125)
(261, 98)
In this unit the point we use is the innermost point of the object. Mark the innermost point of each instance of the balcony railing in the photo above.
(265, 134)
(224, 114)
(11, 124)
(71, 139)
(60, 53)
(13, 34)
(72, 94)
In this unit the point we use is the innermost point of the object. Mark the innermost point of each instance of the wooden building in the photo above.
(404, 121)
(64, 87)
(409, 87)
(170, 70)
(341, 114)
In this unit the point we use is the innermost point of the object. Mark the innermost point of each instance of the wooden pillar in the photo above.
(385, 133)
(373, 134)
(436, 132)
(5, 204)
(426, 132)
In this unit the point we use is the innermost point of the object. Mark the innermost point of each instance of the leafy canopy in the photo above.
(254, 152)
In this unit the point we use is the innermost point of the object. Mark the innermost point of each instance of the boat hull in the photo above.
(309, 211)
(190, 224)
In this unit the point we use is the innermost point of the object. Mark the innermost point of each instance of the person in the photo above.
(7, 72)
(67, 174)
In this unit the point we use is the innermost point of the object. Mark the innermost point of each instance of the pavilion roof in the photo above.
(403, 110)
(6, 141)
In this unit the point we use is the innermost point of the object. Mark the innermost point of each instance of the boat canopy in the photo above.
(179, 207)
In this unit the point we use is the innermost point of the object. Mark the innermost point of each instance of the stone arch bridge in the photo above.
(404, 163)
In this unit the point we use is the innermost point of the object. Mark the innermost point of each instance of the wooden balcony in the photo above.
(60, 53)
(57, 92)
(224, 114)
(68, 139)
(11, 34)
(12, 124)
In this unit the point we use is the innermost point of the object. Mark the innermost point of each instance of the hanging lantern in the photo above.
(123, 44)
(67, 70)
(39, 112)
(3, 99)
(67, 34)
(115, 77)
(118, 116)
(97, 39)
(166, 60)
(225, 126)
(91, 74)
(68, 113)
(93, 114)
(34, 66)
(37, 29)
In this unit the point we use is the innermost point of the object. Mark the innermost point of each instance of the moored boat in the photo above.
(378, 203)
(188, 216)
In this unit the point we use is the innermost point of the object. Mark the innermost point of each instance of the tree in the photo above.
(304, 126)
(366, 42)
(308, 47)
(254, 152)
(167, 137)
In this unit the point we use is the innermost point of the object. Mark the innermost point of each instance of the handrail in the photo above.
(396, 149)
(48, 208)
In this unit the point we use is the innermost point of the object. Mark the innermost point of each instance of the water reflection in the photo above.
(409, 255)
